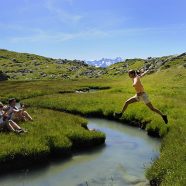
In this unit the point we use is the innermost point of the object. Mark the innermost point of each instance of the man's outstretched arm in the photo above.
(141, 75)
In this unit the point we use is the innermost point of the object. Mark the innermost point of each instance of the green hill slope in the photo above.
(152, 64)
(23, 66)
(166, 88)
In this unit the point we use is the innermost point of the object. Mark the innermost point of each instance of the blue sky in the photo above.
(92, 29)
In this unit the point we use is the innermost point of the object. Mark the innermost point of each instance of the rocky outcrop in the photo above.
(182, 55)
(24, 71)
(3, 76)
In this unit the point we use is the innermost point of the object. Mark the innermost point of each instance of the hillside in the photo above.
(153, 64)
(166, 90)
(24, 66)
(165, 85)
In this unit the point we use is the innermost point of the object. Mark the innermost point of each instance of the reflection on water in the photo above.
(121, 161)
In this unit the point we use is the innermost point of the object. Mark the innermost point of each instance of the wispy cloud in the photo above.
(53, 37)
(38, 35)
(43, 37)
(61, 14)
(17, 28)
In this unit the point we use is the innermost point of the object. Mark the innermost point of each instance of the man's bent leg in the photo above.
(128, 102)
(151, 107)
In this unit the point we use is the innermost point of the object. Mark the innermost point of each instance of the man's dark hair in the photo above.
(132, 72)
(10, 100)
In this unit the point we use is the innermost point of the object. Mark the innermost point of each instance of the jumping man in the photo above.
(140, 95)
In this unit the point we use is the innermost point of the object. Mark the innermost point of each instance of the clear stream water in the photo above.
(122, 161)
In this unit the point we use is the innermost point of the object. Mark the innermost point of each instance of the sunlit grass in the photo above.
(166, 90)
(51, 133)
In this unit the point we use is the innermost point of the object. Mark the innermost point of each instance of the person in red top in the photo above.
(140, 96)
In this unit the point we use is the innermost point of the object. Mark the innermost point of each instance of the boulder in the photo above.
(73, 68)
(24, 71)
(3, 57)
(65, 76)
(3, 76)
(182, 55)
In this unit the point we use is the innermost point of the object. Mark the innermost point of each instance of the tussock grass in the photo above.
(51, 133)
(28, 89)
(166, 90)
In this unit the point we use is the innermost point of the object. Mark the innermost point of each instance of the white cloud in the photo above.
(54, 37)
(33, 35)
(61, 14)
(19, 28)
(43, 37)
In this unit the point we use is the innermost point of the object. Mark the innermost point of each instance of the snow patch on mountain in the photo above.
(104, 62)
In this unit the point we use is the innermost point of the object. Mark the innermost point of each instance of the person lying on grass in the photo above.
(8, 124)
(17, 114)
(140, 96)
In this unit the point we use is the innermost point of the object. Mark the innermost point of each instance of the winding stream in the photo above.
(120, 162)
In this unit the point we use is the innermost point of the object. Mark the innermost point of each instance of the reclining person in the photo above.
(8, 124)
(18, 114)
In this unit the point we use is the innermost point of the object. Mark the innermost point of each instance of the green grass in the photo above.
(27, 89)
(166, 90)
(51, 133)
(23, 66)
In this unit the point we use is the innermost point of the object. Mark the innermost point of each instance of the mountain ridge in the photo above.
(25, 66)
(104, 62)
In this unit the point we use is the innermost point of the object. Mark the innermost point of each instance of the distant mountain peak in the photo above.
(104, 62)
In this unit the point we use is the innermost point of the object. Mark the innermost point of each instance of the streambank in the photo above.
(58, 136)
(121, 161)
(20, 161)
(100, 114)
(14, 162)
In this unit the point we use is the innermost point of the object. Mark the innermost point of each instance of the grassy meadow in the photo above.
(56, 132)
(25, 66)
(52, 133)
